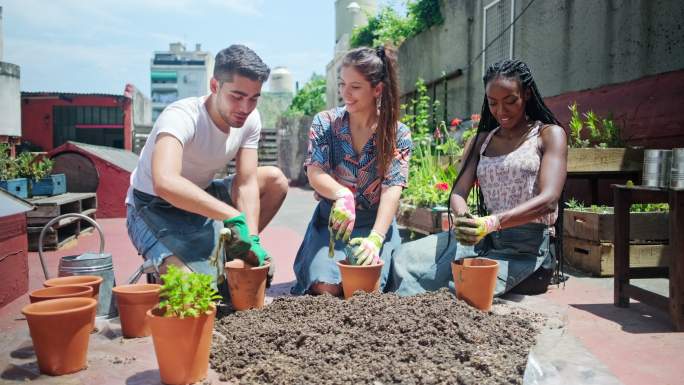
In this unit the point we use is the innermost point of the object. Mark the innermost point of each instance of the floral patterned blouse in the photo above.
(512, 179)
(330, 148)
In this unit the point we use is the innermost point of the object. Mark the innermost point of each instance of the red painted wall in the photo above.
(113, 185)
(36, 115)
(650, 110)
(13, 258)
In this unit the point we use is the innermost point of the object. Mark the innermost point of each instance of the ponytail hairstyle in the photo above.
(378, 65)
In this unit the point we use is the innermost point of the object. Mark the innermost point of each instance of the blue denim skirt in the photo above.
(425, 264)
(313, 265)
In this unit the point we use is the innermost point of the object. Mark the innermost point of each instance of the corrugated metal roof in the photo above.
(124, 159)
(10, 205)
(67, 94)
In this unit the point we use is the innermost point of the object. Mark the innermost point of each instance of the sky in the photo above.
(100, 45)
(97, 46)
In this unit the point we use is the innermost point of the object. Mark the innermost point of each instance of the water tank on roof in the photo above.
(351, 13)
(281, 80)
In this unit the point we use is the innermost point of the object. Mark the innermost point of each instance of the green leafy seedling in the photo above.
(185, 294)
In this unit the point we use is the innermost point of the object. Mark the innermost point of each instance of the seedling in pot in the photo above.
(185, 294)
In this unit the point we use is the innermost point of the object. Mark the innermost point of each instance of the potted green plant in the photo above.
(588, 236)
(595, 145)
(9, 174)
(42, 181)
(181, 326)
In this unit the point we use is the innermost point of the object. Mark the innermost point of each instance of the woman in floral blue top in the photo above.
(358, 164)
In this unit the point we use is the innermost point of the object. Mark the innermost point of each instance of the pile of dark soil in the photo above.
(373, 339)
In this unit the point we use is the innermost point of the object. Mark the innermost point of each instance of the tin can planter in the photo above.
(60, 330)
(93, 281)
(354, 277)
(57, 292)
(133, 302)
(247, 284)
(181, 345)
(475, 281)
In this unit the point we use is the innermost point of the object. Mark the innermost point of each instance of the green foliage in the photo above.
(28, 166)
(429, 181)
(602, 131)
(8, 166)
(310, 99)
(426, 13)
(573, 204)
(186, 294)
(420, 120)
(389, 27)
(41, 169)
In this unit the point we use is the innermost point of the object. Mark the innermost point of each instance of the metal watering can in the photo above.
(89, 263)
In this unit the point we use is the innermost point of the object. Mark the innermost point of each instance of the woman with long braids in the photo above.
(358, 164)
(518, 158)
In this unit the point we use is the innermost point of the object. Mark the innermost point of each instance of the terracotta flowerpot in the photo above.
(354, 277)
(134, 301)
(475, 280)
(56, 292)
(181, 345)
(247, 284)
(93, 281)
(60, 330)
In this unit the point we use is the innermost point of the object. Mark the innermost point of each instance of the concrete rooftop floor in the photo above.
(588, 340)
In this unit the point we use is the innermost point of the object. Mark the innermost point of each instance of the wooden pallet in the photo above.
(422, 220)
(596, 258)
(267, 152)
(66, 229)
(599, 227)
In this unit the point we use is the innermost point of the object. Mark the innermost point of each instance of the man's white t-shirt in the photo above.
(206, 149)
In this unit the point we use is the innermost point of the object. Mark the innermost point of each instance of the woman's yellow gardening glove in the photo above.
(470, 229)
(366, 251)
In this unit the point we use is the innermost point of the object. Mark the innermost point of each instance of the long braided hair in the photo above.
(535, 109)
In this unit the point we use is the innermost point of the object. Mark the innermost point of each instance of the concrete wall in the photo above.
(10, 96)
(293, 141)
(572, 46)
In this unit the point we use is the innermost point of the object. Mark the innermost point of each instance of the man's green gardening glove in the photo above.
(471, 229)
(237, 241)
(366, 251)
(258, 251)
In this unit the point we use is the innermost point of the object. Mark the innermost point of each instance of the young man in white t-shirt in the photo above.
(175, 209)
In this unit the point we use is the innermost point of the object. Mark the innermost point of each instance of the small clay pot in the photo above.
(357, 277)
(60, 330)
(247, 284)
(93, 281)
(56, 292)
(475, 281)
(133, 302)
(181, 345)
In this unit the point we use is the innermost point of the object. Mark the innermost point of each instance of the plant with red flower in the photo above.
(442, 186)
(455, 122)
(475, 117)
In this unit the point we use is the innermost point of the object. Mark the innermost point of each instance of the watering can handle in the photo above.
(51, 222)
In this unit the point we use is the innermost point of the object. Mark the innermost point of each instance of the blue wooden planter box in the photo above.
(17, 187)
(52, 185)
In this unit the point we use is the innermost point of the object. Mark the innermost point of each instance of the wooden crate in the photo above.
(596, 227)
(604, 159)
(66, 229)
(597, 257)
(422, 219)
